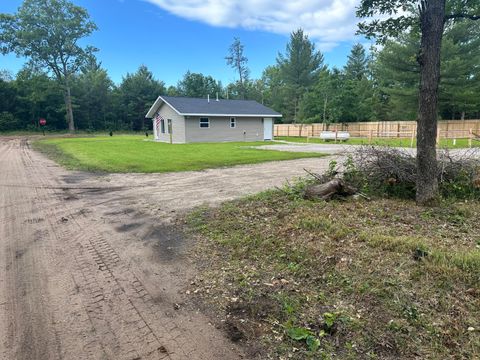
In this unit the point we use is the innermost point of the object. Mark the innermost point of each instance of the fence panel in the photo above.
(448, 129)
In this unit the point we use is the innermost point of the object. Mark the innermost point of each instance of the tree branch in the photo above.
(462, 16)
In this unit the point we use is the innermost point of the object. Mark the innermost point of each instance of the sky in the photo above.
(171, 37)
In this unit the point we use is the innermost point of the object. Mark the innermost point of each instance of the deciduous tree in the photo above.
(47, 32)
(198, 85)
(430, 16)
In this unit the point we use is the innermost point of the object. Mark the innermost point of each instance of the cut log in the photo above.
(327, 190)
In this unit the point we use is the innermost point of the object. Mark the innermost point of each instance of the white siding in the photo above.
(246, 129)
(178, 125)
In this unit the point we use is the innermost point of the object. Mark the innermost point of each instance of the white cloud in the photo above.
(327, 22)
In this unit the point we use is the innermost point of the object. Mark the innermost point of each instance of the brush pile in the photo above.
(392, 171)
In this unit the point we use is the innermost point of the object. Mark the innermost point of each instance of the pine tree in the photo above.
(299, 67)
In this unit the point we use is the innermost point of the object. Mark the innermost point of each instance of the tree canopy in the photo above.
(299, 67)
(375, 84)
(47, 32)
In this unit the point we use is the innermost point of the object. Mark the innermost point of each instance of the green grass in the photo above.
(395, 142)
(134, 154)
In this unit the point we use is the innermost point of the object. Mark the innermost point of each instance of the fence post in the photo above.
(438, 136)
(412, 139)
(288, 130)
(470, 138)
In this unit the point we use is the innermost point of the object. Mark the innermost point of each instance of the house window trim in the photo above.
(200, 123)
(234, 122)
(162, 126)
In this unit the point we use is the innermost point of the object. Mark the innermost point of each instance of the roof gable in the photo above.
(203, 107)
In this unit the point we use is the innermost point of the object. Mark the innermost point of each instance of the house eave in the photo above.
(233, 115)
(156, 105)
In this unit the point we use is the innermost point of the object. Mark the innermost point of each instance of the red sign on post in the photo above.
(42, 122)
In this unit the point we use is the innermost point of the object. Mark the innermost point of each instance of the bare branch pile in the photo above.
(392, 171)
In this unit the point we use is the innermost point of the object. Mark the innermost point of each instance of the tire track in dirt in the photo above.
(88, 266)
(91, 303)
(29, 331)
(115, 319)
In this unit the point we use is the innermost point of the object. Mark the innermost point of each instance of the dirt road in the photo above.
(91, 266)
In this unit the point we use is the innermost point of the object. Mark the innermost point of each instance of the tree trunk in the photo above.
(68, 105)
(432, 19)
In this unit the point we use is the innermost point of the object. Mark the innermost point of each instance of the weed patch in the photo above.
(381, 279)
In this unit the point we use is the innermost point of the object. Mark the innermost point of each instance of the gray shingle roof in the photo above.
(195, 106)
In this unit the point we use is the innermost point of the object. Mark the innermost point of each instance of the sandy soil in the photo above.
(92, 266)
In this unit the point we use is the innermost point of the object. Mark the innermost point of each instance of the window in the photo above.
(204, 122)
(169, 126)
(233, 123)
(162, 126)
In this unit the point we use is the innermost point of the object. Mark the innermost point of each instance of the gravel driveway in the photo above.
(92, 267)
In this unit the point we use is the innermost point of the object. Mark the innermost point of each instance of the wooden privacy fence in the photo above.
(447, 129)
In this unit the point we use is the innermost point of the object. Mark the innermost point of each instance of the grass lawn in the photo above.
(396, 142)
(133, 154)
(380, 279)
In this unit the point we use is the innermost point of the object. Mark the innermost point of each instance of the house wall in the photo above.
(178, 125)
(220, 130)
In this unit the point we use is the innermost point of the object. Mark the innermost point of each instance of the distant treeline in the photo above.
(378, 84)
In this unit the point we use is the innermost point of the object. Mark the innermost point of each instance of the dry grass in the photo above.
(383, 279)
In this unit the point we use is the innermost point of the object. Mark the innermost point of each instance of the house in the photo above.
(184, 120)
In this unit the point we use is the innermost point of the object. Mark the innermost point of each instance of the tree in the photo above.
(299, 67)
(397, 74)
(251, 90)
(39, 96)
(47, 32)
(275, 94)
(459, 86)
(357, 87)
(321, 103)
(357, 63)
(93, 88)
(8, 97)
(238, 61)
(173, 91)
(431, 18)
(136, 93)
(198, 85)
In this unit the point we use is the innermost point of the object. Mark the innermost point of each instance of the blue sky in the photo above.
(173, 36)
